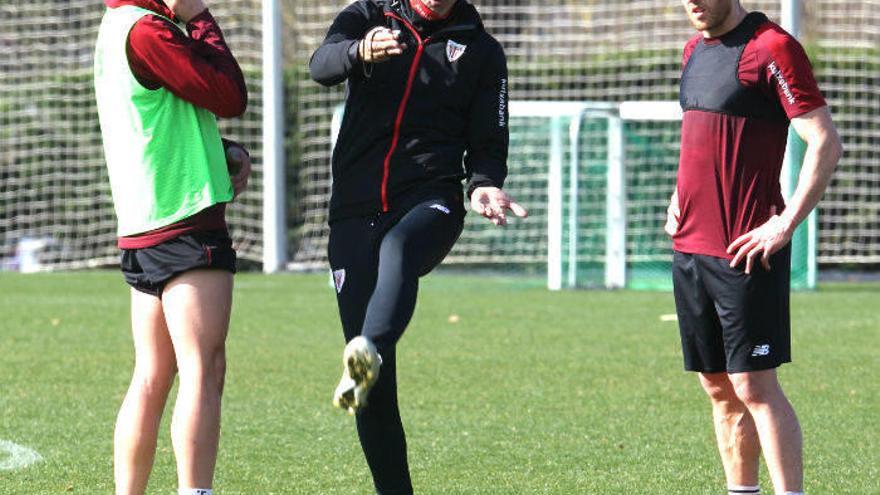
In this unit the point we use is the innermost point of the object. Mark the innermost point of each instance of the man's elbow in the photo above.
(230, 111)
(330, 64)
(830, 149)
(322, 76)
(234, 105)
(323, 79)
(836, 149)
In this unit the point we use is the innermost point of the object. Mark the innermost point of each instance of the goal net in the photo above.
(55, 209)
(55, 205)
(616, 52)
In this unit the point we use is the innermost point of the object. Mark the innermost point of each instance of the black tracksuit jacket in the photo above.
(434, 114)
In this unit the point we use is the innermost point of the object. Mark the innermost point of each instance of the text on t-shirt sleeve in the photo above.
(788, 75)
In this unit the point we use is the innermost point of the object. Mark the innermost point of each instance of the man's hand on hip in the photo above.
(379, 45)
(493, 203)
(765, 240)
(185, 10)
(239, 164)
(673, 214)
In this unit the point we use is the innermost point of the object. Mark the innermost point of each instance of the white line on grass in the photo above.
(15, 456)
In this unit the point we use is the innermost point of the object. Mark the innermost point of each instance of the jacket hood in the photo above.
(466, 13)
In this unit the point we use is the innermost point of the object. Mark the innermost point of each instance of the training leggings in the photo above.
(376, 263)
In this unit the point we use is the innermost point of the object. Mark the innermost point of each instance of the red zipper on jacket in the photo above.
(413, 69)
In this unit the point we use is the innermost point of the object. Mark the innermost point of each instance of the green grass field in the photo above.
(529, 392)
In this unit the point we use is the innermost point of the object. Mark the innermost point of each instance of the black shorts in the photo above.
(150, 269)
(730, 321)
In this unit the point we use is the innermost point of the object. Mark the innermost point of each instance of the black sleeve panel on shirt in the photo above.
(488, 134)
(334, 60)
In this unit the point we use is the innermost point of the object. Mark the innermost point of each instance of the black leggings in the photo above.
(377, 262)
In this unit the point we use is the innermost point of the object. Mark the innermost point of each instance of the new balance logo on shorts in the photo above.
(761, 350)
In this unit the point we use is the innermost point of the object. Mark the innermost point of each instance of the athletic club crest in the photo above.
(454, 50)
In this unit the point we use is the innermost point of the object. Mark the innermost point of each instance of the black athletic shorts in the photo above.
(150, 269)
(730, 321)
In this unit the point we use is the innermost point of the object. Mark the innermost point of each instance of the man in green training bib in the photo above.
(163, 74)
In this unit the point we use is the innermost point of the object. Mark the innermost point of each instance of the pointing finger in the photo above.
(518, 210)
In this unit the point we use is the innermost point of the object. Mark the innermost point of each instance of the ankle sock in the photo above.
(743, 490)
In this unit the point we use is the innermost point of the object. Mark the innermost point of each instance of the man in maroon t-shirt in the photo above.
(744, 80)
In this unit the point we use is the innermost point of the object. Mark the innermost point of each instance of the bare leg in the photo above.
(197, 306)
(137, 425)
(777, 427)
(734, 430)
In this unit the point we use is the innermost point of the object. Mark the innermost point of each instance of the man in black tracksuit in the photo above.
(426, 108)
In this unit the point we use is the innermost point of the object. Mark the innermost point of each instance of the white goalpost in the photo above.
(274, 205)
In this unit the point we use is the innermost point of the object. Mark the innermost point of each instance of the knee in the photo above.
(718, 387)
(154, 378)
(753, 390)
(395, 248)
(207, 370)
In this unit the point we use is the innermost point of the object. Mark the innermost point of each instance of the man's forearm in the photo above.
(332, 63)
(334, 60)
(820, 160)
(199, 69)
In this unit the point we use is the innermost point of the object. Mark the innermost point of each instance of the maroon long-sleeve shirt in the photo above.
(198, 68)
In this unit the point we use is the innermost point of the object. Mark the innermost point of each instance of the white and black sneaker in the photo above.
(361, 363)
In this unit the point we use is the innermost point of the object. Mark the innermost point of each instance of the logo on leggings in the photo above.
(761, 350)
(339, 279)
(439, 207)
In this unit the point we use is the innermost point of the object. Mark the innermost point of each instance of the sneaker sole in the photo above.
(363, 372)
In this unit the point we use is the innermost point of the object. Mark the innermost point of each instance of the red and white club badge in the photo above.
(339, 279)
(454, 50)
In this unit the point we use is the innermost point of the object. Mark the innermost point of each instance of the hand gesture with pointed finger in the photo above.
(493, 203)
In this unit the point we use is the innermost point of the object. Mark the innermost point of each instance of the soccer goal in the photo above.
(610, 169)
(596, 178)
